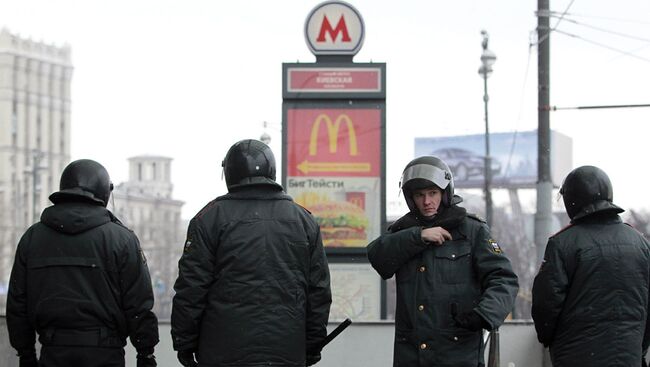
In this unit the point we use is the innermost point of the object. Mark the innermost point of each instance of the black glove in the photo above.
(186, 357)
(312, 359)
(145, 358)
(471, 321)
(27, 358)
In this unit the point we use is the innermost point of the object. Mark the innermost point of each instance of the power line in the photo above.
(602, 45)
(556, 24)
(607, 30)
(555, 108)
(553, 13)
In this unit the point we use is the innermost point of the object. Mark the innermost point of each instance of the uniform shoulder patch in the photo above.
(494, 246)
(187, 245)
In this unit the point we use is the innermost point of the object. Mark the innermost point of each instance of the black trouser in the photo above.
(84, 348)
(64, 356)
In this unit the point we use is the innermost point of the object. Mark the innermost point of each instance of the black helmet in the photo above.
(84, 179)
(424, 172)
(249, 162)
(587, 190)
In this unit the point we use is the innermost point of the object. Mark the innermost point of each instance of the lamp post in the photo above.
(487, 60)
(265, 137)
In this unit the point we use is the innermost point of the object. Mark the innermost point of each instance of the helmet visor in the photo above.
(439, 177)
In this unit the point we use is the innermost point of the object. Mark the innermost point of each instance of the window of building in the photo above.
(38, 132)
(14, 122)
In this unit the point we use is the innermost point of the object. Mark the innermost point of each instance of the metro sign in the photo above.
(334, 28)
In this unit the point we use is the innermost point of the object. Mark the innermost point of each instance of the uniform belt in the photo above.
(100, 337)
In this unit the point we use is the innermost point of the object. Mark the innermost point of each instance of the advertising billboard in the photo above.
(513, 158)
(333, 168)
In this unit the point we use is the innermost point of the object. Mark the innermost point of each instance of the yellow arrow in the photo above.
(306, 167)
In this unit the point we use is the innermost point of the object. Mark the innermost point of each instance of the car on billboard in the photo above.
(466, 165)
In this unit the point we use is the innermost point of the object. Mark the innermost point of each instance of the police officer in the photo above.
(590, 297)
(253, 287)
(80, 281)
(453, 279)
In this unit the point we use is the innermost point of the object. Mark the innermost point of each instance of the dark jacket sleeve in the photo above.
(646, 335)
(21, 334)
(549, 293)
(319, 298)
(195, 276)
(390, 251)
(137, 298)
(499, 283)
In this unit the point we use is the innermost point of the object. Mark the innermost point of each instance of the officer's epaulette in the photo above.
(115, 220)
(562, 230)
(206, 208)
(476, 217)
(634, 228)
(307, 210)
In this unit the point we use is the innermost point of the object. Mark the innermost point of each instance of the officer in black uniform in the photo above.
(253, 287)
(590, 297)
(453, 279)
(80, 281)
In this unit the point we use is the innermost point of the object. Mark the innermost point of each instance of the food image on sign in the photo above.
(342, 223)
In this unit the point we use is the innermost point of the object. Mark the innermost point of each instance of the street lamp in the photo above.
(487, 60)
(265, 137)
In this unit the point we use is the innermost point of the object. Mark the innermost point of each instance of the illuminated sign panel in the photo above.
(334, 142)
(334, 80)
(334, 28)
(333, 168)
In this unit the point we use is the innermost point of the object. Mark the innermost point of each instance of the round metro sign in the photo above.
(334, 28)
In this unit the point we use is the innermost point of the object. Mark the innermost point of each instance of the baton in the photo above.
(494, 359)
(339, 329)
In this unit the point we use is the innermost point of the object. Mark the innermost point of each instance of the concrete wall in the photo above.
(360, 345)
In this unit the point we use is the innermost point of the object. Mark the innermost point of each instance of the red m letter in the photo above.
(327, 27)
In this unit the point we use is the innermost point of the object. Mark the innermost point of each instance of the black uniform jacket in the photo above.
(253, 286)
(467, 273)
(80, 275)
(590, 297)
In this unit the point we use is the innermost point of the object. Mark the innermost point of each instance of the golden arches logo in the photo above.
(333, 133)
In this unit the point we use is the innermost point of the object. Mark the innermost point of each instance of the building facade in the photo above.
(35, 83)
(144, 204)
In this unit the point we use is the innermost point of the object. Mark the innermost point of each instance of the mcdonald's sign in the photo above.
(333, 133)
(334, 142)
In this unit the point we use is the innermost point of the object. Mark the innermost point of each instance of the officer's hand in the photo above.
(27, 359)
(471, 321)
(435, 235)
(186, 357)
(312, 359)
(145, 358)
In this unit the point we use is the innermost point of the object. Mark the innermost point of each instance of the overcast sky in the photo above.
(186, 79)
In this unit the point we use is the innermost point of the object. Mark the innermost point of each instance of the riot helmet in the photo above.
(249, 162)
(587, 190)
(86, 180)
(424, 172)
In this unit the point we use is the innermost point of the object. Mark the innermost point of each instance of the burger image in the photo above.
(341, 223)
